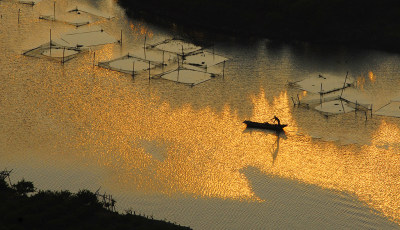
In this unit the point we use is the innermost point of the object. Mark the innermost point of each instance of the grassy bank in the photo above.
(24, 208)
(366, 23)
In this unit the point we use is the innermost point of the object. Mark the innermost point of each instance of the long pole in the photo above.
(133, 68)
(121, 37)
(223, 70)
(320, 96)
(355, 111)
(294, 104)
(298, 99)
(177, 79)
(149, 70)
(344, 84)
(54, 11)
(63, 56)
(341, 101)
(144, 46)
(50, 42)
(19, 11)
(371, 110)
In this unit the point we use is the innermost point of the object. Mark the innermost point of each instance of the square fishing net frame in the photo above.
(180, 53)
(27, 2)
(79, 10)
(152, 64)
(53, 19)
(39, 51)
(204, 65)
(180, 68)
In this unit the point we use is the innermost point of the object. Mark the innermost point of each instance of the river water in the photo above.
(181, 153)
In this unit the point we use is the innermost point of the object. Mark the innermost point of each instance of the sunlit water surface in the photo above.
(182, 153)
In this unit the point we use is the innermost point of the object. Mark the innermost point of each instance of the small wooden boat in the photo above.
(265, 125)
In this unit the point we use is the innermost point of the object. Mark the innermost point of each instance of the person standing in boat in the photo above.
(277, 120)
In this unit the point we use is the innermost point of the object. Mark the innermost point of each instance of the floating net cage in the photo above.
(156, 56)
(54, 51)
(129, 64)
(203, 59)
(29, 2)
(176, 46)
(392, 109)
(86, 38)
(334, 107)
(191, 55)
(88, 10)
(186, 76)
(77, 16)
(75, 21)
(324, 84)
(335, 97)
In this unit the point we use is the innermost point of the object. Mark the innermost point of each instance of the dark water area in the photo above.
(365, 24)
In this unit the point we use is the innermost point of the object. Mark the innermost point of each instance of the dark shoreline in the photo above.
(361, 24)
(22, 207)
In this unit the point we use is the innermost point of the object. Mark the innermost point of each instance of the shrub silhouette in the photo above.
(87, 198)
(24, 187)
(22, 208)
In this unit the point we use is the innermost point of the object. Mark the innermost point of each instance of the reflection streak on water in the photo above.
(371, 76)
(206, 150)
(365, 79)
(102, 118)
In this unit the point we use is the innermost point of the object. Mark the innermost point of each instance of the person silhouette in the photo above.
(277, 120)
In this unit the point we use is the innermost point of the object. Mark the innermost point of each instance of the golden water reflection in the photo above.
(140, 29)
(204, 150)
(371, 76)
(364, 79)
